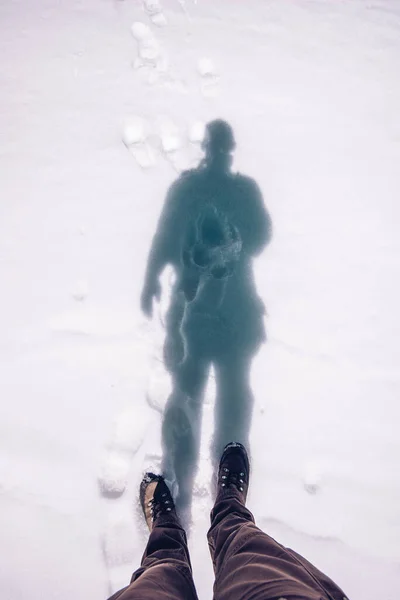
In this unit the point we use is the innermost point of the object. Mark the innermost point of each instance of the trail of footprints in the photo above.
(135, 438)
(133, 447)
(149, 140)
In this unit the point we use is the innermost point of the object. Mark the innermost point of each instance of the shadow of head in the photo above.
(218, 145)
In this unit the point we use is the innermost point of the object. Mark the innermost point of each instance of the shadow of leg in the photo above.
(181, 432)
(174, 345)
(233, 406)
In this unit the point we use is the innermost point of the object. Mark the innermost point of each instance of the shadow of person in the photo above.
(212, 225)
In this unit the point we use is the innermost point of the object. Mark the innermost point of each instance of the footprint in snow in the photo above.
(127, 437)
(171, 143)
(150, 56)
(135, 136)
(155, 12)
(209, 77)
(119, 542)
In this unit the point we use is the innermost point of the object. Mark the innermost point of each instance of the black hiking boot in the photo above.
(156, 499)
(234, 471)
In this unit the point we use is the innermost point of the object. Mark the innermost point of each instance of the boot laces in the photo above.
(161, 505)
(232, 478)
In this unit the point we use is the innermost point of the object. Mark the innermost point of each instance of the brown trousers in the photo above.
(248, 563)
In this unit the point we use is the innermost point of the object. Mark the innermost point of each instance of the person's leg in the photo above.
(247, 562)
(165, 572)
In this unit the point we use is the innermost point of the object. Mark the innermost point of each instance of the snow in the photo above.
(196, 132)
(311, 89)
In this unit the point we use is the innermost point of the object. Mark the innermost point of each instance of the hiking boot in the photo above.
(234, 470)
(156, 499)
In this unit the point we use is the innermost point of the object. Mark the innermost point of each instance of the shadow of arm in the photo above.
(259, 223)
(163, 249)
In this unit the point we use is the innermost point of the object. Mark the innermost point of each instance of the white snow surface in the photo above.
(312, 91)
